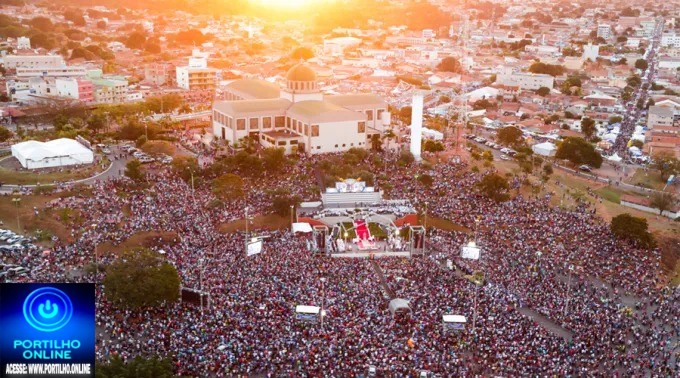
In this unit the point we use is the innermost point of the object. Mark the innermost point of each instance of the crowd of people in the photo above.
(616, 316)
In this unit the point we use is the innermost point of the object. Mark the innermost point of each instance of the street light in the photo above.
(17, 202)
(477, 283)
(425, 234)
(291, 215)
(323, 299)
(566, 302)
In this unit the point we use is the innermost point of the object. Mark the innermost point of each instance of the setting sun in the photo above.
(284, 3)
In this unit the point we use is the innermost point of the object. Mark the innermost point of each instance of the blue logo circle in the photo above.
(47, 309)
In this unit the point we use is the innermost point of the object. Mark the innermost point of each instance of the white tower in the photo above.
(416, 125)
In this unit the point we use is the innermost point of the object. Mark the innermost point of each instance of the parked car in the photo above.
(505, 157)
(585, 168)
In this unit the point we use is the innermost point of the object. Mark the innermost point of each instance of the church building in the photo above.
(298, 118)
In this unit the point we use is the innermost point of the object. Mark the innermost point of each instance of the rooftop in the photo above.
(255, 88)
(252, 106)
(322, 111)
(349, 100)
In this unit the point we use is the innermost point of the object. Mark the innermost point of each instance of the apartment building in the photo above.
(525, 81)
(12, 62)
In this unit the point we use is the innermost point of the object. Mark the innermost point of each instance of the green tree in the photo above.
(634, 229)
(302, 52)
(641, 64)
(281, 205)
(186, 167)
(376, 143)
(495, 187)
(43, 24)
(405, 158)
(135, 40)
(75, 16)
(579, 151)
(141, 279)
(483, 104)
(543, 91)
(663, 201)
(138, 367)
(510, 136)
(450, 64)
(228, 186)
(588, 127)
(667, 165)
(548, 69)
(273, 159)
(426, 180)
(5, 134)
(133, 170)
(405, 113)
(429, 145)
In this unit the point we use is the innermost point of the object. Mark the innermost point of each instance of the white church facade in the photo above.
(298, 118)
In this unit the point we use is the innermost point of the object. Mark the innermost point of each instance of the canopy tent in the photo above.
(55, 153)
(302, 227)
(544, 149)
(399, 306)
(454, 322)
(615, 158)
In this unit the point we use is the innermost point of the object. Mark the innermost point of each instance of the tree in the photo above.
(543, 91)
(138, 367)
(5, 134)
(510, 136)
(190, 37)
(547, 169)
(140, 279)
(634, 229)
(135, 40)
(101, 25)
(549, 69)
(281, 205)
(273, 159)
(495, 187)
(483, 104)
(43, 24)
(133, 170)
(152, 47)
(426, 180)
(450, 64)
(405, 158)
(663, 201)
(429, 145)
(667, 165)
(302, 52)
(229, 186)
(588, 127)
(641, 64)
(579, 151)
(376, 143)
(186, 167)
(405, 113)
(75, 16)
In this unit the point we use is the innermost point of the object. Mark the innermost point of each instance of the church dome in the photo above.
(301, 72)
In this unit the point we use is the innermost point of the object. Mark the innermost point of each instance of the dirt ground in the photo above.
(141, 239)
(265, 222)
(29, 222)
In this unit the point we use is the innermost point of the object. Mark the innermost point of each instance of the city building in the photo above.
(12, 62)
(76, 88)
(604, 31)
(45, 71)
(158, 73)
(525, 81)
(591, 52)
(197, 75)
(300, 118)
(23, 43)
(670, 39)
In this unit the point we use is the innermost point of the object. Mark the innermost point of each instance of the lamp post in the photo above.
(17, 202)
(200, 281)
(246, 239)
(538, 261)
(346, 236)
(477, 283)
(291, 216)
(566, 302)
(146, 131)
(323, 299)
(425, 234)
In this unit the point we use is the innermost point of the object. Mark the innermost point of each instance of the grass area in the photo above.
(156, 147)
(649, 179)
(610, 194)
(443, 224)
(43, 224)
(12, 177)
(140, 239)
(265, 222)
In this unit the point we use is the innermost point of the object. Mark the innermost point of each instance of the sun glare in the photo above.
(284, 3)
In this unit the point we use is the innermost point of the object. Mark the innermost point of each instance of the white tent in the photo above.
(55, 153)
(544, 149)
(302, 227)
(614, 158)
